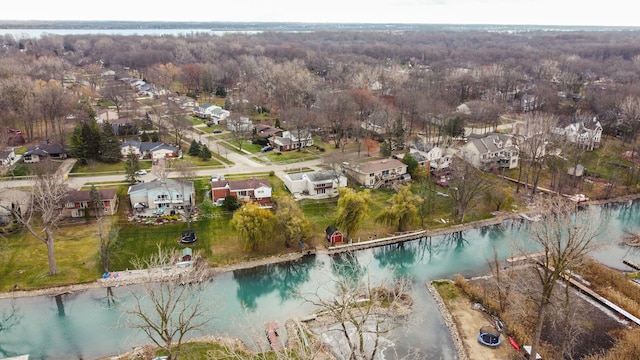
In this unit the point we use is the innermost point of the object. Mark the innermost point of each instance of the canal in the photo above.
(90, 324)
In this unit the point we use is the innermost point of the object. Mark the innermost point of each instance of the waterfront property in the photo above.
(78, 203)
(378, 173)
(161, 194)
(315, 184)
(255, 189)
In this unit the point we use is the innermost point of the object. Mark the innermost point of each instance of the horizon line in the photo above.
(304, 22)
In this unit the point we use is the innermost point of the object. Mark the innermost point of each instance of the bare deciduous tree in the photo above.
(43, 209)
(170, 306)
(467, 184)
(565, 237)
(359, 319)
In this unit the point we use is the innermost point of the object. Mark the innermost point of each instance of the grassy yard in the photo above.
(23, 259)
(99, 167)
(24, 265)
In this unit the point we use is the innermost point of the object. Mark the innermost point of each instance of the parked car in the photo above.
(158, 211)
(266, 149)
(217, 131)
(141, 172)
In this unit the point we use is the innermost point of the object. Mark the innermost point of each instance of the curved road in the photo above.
(241, 165)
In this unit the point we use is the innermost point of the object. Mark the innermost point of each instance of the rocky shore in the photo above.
(448, 320)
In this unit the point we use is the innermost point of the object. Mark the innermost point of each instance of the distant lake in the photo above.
(37, 33)
(37, 29)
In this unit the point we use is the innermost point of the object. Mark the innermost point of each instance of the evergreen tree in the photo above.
(277, 124)
(411, 162)
(145, 137)
(194, 148)
(85, 141)
(76, 142)
(455, 127)
(132, 165)
(109, 145)
(205, 154)
(154, 137)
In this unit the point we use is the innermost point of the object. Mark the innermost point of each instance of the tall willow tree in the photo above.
(291, 222)
(403, 211)
(352, 209)
(254, 224)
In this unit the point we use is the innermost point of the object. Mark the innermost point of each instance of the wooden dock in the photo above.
(360, 245)
(271, 330)
(631, 264)
(527, 257)
(597, 297)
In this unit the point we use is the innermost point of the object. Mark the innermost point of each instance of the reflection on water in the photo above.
(89, 324)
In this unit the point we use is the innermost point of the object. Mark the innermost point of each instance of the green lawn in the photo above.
(288, 157)
(104, 167)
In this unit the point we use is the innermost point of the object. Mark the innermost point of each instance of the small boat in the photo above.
(514, 343)
(271, 330)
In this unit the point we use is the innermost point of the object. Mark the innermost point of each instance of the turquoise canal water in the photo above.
(90, 324)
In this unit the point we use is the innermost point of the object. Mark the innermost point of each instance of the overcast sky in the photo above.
(521, 12)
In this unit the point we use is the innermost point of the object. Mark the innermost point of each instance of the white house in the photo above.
(436, 158)
(162, 193)
(210, 111)
(492, 150)
(240, 124)
(106, 115)
(315, 184)
(289, 141)
(586, 136)
(12, 200)
(7, 157)
(149, 150)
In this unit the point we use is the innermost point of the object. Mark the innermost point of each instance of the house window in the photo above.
(84, 205)
(70, 205)
(320, 191)
(385, 172)
(178, 196)
(77, 213)
(372, 174)
(242, 193)
(163, 197)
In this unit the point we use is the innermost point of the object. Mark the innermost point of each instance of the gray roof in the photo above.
(162, 183)
(489, 143)
(45, 150)
(323, 175)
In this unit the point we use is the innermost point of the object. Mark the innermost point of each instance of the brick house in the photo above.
(79, 204)
(254, 189)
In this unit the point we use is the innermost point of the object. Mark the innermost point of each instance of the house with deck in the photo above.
(492, 151)
(162, 194)
(315, 184)
(433, 158)
(378, 173)
(78, 204)
(585, 135)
